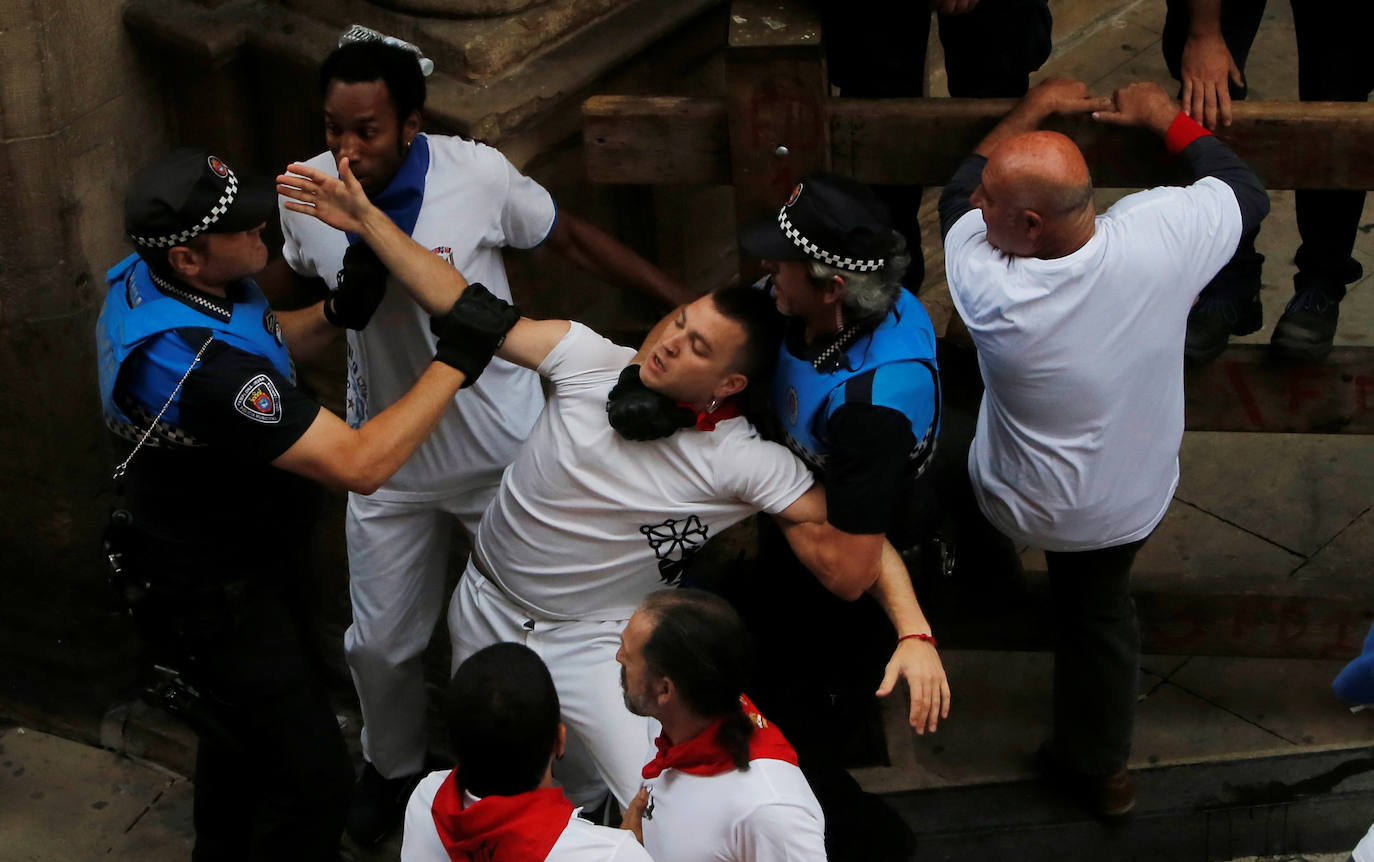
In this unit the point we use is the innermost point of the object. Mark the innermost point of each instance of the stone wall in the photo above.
(77, 109)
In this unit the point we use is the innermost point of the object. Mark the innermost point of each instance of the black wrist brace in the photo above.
(362, 284)
(472, 331)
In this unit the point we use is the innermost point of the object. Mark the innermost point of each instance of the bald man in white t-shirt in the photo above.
(1079, 320)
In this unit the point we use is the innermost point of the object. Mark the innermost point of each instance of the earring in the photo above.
(839, 317)
(711, 408)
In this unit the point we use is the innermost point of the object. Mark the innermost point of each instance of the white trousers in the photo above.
(606, 742)
(397, 554)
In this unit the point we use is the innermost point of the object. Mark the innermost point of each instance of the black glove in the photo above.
(362, 283)
(472, 331)
(639, 413)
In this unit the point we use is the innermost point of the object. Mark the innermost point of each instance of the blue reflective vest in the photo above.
(136, 314)
(805, 398)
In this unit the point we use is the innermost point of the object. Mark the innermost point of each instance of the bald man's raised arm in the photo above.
(955, 198)
(1209, 157)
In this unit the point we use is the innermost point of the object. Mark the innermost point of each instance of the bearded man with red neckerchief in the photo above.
(723, 783)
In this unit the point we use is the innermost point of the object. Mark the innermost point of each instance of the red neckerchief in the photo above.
(520, 828)
(704, 755)
(728, 409)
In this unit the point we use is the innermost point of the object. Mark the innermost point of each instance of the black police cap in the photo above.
(828, 218)
(190, 192)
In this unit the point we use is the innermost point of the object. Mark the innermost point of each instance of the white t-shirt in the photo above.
(1077, 440)
(767, 814)
(580, 842)
(587, 523)
(1364, 851)
(475, 203)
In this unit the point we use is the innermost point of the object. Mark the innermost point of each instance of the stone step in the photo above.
(1307, 803)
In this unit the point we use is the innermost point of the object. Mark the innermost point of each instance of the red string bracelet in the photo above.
(928, 638)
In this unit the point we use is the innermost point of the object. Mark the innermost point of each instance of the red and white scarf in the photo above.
(521, 828)
(703, 754)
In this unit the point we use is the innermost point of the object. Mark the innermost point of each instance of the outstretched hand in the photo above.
(1143, 104)
(634, 814)
(1207, 67)
(1064, 96)
(339, 202)
(918, 662)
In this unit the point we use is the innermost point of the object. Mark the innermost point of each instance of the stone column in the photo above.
(78, 114)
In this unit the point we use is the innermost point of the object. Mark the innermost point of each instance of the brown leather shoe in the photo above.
(1106, 796)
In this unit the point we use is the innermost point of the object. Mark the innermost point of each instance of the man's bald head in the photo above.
(1043, 171)
(1036, 196)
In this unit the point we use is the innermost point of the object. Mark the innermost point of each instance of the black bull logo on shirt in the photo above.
(674, 543)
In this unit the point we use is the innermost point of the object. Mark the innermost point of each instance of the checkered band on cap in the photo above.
(821, 254)
(221, 207)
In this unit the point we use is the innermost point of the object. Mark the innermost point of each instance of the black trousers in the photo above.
(273, 776)
(1096, 657)
(877, 50)
(818, 660)
(1334, 65)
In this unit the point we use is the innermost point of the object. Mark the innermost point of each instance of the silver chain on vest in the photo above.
(120, 470)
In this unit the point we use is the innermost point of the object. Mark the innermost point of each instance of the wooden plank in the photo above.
(1290, 144)
(1179, 618)
(1246, 389)
(778, 87)
(921, 141)
(656, 140)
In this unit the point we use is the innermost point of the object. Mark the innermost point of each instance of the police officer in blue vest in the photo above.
(856, 395)
(196, 378)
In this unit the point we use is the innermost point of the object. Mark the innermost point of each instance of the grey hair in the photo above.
(869, 296)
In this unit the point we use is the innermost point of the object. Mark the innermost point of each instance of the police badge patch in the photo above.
(273, 327)
(259, 401)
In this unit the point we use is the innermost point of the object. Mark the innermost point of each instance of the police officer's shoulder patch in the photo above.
(259, 400)
(273, 327)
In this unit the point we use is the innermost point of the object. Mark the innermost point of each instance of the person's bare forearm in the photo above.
(602, 255)
(1025, 117)
(1047, 98)
(428, 278)
(846, 564)
(387, 440)
(362, 460)
(306, 331)
(895, 595)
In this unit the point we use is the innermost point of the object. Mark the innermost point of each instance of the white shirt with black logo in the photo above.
(587, 523)
(767, 814)
(1077, 440)
(475, 204)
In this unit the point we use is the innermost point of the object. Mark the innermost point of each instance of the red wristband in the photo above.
(928, 638)
(1182, 132)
